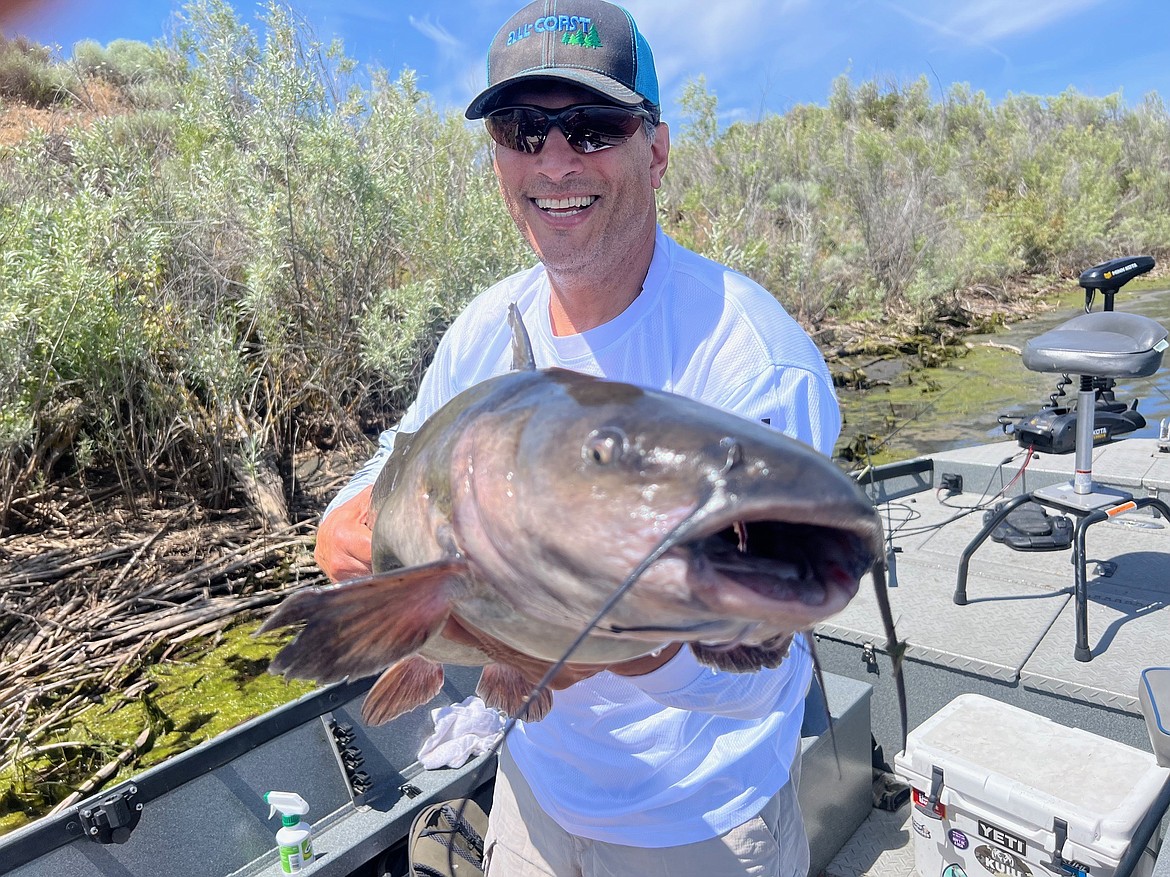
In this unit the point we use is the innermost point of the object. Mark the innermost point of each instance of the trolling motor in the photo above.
(1053, 429)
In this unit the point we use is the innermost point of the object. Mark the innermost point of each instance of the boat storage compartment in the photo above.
(1002, 792)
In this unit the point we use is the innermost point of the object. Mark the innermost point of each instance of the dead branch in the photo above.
(131, 753)
(83, 606)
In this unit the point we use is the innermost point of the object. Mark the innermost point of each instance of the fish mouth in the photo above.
(749, 567)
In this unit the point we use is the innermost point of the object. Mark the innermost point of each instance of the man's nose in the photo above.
(557, 158)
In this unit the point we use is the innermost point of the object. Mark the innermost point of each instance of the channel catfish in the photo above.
(522, 505)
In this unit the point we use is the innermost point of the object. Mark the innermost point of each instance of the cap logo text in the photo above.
(577, 30)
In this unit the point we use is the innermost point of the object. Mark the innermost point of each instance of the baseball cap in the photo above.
(589, 43)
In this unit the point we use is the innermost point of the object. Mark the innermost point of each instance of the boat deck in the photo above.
(1014, 639)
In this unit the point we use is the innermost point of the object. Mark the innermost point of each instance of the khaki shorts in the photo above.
(522, 841)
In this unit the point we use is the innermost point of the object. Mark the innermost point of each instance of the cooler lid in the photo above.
(1033, 769)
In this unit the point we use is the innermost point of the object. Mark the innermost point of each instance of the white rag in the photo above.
(462, 730)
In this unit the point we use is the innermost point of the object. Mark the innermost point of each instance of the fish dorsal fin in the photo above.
(522, 358)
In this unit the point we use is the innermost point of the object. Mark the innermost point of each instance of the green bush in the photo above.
(887, 202)
(144, 76)
(27, 74)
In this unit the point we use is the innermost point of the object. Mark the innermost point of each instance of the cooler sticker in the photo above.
(954, 871)
(920, 828)
(959, 839)
(999, 861)
(987, 831)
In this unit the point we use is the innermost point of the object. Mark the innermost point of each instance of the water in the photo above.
(928, 410)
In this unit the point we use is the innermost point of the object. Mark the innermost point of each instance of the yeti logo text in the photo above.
(577, 30)
(1003, 838)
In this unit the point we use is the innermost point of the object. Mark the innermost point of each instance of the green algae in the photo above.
(208, 687)
(922, 410)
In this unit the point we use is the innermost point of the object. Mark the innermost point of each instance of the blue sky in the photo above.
(757, 55)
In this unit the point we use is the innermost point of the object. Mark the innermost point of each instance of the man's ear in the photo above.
(659, 154)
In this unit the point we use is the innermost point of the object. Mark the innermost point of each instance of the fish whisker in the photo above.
(697, 627)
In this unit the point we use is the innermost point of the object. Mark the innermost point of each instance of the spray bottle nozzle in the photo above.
(288, 803)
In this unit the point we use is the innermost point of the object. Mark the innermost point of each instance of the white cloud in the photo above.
(688, 34)
(981, 22)
(994, 19)
(446, 42)
(948, 32)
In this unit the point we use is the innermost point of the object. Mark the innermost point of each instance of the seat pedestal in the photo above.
(1109, 504)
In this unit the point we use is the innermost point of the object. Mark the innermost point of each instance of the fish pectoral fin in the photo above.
(743, 659)
(503, 687)
(410, 683)
(362, 626)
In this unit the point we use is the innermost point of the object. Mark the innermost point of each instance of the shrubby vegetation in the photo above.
(888, 201)
(218, 252)
(191, 289)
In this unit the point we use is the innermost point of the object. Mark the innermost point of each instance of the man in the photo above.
(657, 765)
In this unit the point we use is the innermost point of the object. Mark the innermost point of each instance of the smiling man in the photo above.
(589, 216)
(657, 766)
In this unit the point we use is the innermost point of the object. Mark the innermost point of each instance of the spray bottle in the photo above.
(295, 838)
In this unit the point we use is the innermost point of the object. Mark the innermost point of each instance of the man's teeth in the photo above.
(577, 202)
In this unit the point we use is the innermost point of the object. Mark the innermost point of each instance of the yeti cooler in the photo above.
(1001, 792)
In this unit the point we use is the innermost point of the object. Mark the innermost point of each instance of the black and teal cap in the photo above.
(589, 43)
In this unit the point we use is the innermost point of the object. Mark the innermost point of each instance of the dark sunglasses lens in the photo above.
(587, 129)
(596, 128)
(520, 129)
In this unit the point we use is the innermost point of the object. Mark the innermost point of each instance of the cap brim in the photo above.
(488, 100)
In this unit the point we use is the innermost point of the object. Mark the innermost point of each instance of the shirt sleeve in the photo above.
(794, 400)
(367, 474)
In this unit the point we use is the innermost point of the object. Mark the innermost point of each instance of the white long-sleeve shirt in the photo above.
(686, 752)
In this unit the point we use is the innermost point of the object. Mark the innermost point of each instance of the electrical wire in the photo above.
(982, 504)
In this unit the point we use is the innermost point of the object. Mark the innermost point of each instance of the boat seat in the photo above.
(1097, 346)
(1103, 344)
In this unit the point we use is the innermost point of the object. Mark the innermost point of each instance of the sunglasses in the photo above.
(587, 128)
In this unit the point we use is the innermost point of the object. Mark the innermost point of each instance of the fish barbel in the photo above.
(526, 501)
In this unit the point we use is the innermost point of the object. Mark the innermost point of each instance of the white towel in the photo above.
(462, 730)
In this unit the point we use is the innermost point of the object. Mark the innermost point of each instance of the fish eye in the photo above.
(604, 446)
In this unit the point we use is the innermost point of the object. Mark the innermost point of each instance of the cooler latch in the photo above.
(1059, 836)
(930, 804)
(1059, 863)
(936, 785)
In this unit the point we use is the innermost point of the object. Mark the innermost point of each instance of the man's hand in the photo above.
(343, 540)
